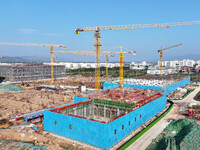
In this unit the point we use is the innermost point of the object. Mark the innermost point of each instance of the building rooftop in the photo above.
(152, 80)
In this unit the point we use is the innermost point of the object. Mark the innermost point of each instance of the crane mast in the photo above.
(121, 62)
(52, 63)
(97, 45)
(161, 55)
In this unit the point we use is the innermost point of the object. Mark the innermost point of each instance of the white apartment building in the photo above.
(198, 62)
(71, 65)
(139, 66)
(164, 71)
(176, 63)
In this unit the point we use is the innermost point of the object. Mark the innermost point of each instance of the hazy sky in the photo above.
(54, 21)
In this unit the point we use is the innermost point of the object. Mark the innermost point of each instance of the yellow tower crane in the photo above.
(40, 45)
(107, 64)
(161, 54)
(103, 53)
(97, 37)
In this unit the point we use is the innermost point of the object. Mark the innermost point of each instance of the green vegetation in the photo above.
(194, 77)
(145, 130)
(66, 148)
(197, 97)
(180, 134)
(128, 73)
(195, 107)
(113, 72)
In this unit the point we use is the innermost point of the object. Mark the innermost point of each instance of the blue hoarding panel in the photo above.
(101, 134)
(79, 99)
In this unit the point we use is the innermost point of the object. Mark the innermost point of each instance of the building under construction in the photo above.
(104, 121)
(28, 72)
(104, 118)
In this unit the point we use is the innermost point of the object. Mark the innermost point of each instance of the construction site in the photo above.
(41, 104)
(106, 120)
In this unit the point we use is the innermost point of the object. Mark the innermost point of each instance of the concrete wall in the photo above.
(100, 134)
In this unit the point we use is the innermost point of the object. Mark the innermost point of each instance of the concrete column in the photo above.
(110, 113)
(104, 115)
(117, 111)
(84, 111)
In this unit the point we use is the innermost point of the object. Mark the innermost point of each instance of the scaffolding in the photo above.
(21, 72)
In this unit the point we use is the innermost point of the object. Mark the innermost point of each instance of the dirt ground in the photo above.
(17, 103)
(14, 104)
(39, 139)
(76, 80)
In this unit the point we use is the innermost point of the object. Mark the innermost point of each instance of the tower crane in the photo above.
(97, 37)
(121, 60)
(161, 54)
(40, 45)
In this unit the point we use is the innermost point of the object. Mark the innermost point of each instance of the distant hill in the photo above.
(35, 59)
(7, 59)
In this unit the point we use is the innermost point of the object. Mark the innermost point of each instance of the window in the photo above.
(135, 119)
(70, 126)
(140, 116)
(115, 131)
(129, 123)
(55, 123)
(122, 127)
